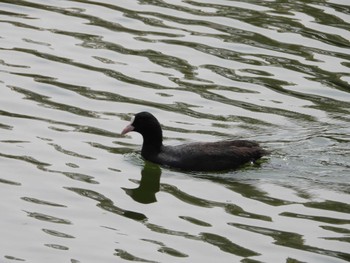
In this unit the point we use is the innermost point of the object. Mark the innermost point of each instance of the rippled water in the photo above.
(72, 73)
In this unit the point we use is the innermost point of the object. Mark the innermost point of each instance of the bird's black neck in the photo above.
(152, 143)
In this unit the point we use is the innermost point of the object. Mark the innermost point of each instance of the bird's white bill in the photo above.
(127, 129)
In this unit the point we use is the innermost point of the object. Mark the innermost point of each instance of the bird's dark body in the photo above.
(197, 156)
(212, 156)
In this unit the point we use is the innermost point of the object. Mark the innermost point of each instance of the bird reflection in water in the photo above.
(149, 184)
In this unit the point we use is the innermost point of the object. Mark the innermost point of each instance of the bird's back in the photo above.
(222, 155)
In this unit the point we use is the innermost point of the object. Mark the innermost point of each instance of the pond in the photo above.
(72, 75)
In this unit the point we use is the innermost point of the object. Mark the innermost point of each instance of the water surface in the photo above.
(72, 74)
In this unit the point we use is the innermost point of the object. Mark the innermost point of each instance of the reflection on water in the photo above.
(148, 185)
(107, 204)
(73, 72)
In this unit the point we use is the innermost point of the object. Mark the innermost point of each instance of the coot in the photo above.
(197, 156)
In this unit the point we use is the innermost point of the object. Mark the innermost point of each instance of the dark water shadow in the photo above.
(107, 204)
(149, 184)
